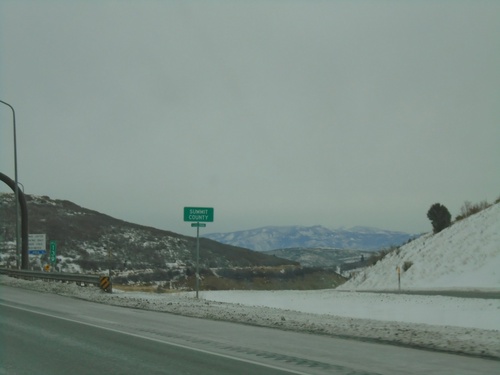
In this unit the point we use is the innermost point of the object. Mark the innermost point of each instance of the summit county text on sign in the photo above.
(203, 214)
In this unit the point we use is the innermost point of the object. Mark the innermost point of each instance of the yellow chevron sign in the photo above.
(105, 284)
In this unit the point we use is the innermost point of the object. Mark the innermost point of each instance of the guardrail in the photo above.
(104, 282)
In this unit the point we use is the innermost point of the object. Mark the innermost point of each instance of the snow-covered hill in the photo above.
(317, 236)
(465, 255)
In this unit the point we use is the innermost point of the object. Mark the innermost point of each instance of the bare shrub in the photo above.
(381, 254)
(407, 265)
(469, 209)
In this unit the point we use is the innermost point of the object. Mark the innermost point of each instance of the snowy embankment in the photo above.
(429, 322)
(463, 256)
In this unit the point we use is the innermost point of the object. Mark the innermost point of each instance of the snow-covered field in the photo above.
(465, 256)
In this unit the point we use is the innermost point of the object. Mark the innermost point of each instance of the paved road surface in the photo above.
(50, 334)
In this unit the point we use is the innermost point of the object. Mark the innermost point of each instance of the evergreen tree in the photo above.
(439, 216)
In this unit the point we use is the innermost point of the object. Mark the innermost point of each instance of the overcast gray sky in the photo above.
(338, 113)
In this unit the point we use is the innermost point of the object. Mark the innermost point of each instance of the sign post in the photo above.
(399, 278)
(198, 215)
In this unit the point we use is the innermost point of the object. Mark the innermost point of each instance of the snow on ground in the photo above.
(457, 325)
(434, 310)
(465, 255)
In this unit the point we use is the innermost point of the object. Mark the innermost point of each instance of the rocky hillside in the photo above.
(91, 241)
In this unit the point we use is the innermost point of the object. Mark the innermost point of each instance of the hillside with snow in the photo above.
(466, 255)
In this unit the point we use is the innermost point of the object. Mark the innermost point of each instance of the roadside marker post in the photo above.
(399, 278)
(198, 216)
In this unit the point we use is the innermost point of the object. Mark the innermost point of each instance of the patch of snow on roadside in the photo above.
(433, 310)
(339, 314)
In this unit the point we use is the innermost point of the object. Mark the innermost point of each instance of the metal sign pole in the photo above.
(197, 259)
(16, 191)
(198, 216)
(399, 278)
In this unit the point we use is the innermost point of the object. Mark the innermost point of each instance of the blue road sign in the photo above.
(37, 252)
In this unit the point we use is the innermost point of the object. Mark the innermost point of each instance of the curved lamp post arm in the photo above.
(16, 190)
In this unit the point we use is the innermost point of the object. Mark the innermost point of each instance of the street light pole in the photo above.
(16, 190)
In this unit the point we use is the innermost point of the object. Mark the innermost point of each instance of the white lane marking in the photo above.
(158, 340)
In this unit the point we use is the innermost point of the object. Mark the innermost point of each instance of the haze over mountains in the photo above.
(317, 236)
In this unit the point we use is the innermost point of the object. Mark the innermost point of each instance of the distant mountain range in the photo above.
(274, 237)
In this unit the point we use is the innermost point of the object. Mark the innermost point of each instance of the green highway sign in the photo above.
(200, 225)
(53, 249)
(199, 214)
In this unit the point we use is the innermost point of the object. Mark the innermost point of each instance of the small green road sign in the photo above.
(200, 225)
(53, 249)
(203, 214)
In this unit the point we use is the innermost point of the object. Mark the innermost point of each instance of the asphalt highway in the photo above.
(50, 334)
